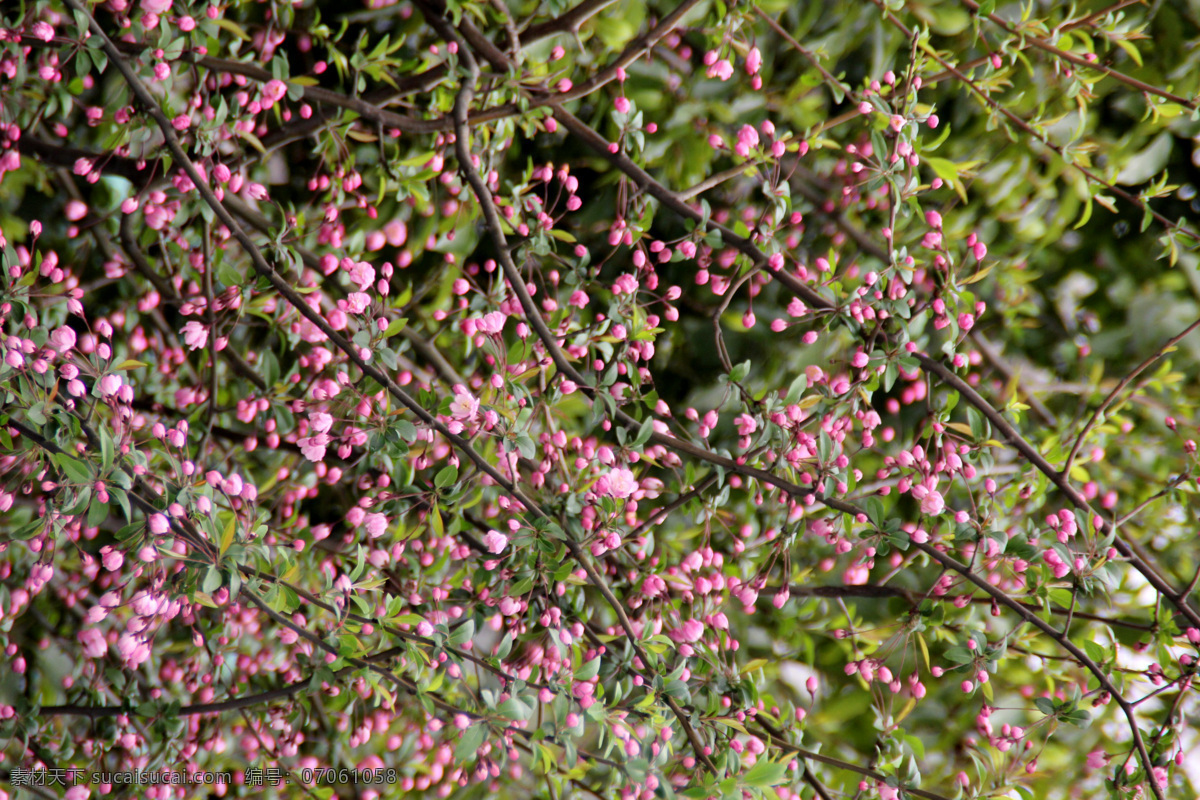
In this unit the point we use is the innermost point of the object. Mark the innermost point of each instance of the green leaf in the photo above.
(446, 477)
(212, 580)
(644, 432)
(766, 773)
(106, 450)
(73, 468)
(467, 749)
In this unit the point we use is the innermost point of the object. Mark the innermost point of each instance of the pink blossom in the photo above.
(856, 575)
(510, 606)
(495, 541)
(156, 7)
(195, 334)
(690, 631)
(275, 90)
(313, 447)
(932, 503)
(133, 650)
(320, 422)
(363, 275)
(42, 30)
(396, 232)
(620, 482)
(625, 284)
(753, 61)
(464, 407)
(721, 69)
(491, 322)
(376, 525)
(112, 559)
(110, 385)
(357, 302)
(93, 643)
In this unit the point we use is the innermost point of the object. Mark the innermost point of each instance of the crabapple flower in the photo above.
(109, 385)
(63, 339)
(620, 482)
(112, 559)
(396, 232)
(133, 650)
(195, 335)
(691, 631)
(721, 69)
(313, 447)
(753, 61)
(376, 525)
(491, 322)
(464, 407)
(93, 643)
(495, 541)
(363, 275)
(275, 90)
(320, 422)
(156, 7)
(932, 503)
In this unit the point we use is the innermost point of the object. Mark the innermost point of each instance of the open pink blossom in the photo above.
(313, 447)
(495, 541)
(195, 335)
(63, 339)
(464, 407)
(492, 322)
(93, 643)
(932, 503)
(690, 631)
(363, 275)
(109, 385)
(275, 90)
(376, 525)
(620, 482)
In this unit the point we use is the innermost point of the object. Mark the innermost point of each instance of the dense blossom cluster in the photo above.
(385, 398)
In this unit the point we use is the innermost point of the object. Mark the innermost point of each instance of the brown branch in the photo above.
(1029, 130)
(775, 735)
(568, 22)
(1079, 61)
(913, 598)
(466, 166)
(1120, 387)
(1057, 478)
